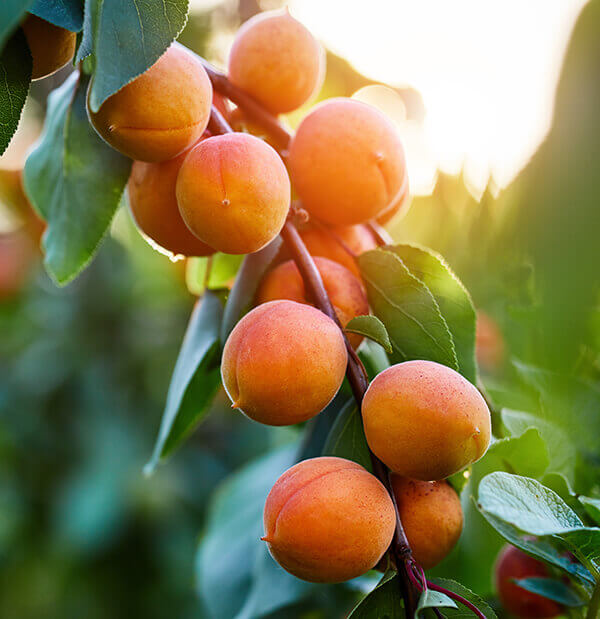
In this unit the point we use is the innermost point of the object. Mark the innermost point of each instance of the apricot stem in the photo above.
(217, 125)
(594, 607)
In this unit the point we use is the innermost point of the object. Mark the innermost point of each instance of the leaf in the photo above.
(552, 589)
(371, 327)
(75, 181)
(195, 378)
(246, 284)
(11, 12)
(64, 13)
(384, 602)
(408, 310)
(15, 78)
(126, 38)
(347, 437)
(433, 599)
(223, 268)
(452, 298)
(373, 357)
(592, 507)
(461, 610)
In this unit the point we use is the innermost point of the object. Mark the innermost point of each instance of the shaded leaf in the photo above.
(11, 12)
(64, 13)
(461, 610)
(384, 602)
(433, 599)
(347, 437)
(552, 589)
(371, 327)
(592, 507)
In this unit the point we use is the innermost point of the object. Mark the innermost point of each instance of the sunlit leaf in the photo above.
(371, 327)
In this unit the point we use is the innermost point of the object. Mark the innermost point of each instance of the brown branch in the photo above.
(217, 125)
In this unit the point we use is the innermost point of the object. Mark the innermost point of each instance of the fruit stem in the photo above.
(594, 607)
(217, 125)
(380, 234)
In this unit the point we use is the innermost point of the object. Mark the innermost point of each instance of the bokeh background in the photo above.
(497, 104)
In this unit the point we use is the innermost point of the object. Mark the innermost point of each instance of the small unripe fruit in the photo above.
(328, 520)
(283, 363)
(431, 515)
(425, 421)
(276, 60)
(162, 112)
(51, 46)
(233, 193)
(154, 207)
(347, 162)
(346, 292)
(513, 564)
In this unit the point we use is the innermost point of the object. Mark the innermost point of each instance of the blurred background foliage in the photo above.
(84, 370)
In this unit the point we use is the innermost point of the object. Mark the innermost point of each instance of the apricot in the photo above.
(489, 343)
(425, 421)
(431, 515)
(399, 207)
(346, 162)
(283, 363)
(346, 292)
(51, 46)
(233, 193)
(161, 113)
(277, 61)
(513, 564)
(328, 520)
(17, 257)
(154, 207)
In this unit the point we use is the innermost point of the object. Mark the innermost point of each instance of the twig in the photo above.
(217, 125)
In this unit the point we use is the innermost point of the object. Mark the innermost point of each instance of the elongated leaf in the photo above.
(15, 78)
(452, 298)
(75, 181)
(195, 378)
(347, 437)
(552, 589)
(592, 507)
(126, 38)
(408, 310)
(463, 611)
(371, 327)
(11, 12)
(433, 599)
(64, 13)
(384, 601)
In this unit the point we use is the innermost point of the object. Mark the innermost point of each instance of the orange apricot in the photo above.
(399, 207)
(489, 343)
(328, 520)
(346, 291)
(276, 60)
(425, 421)
(431, 515)
(347, 162)
(283, 363)
(233, 193)
(51, 46)
(162, 112)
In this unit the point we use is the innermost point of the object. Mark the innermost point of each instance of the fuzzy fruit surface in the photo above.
(425, 421)
(233, 193)
(346, 162)
(431, 515)
(51, 47)
(346, 292)
(328, 520)
(283, 363)
(513, 564)
(399, 206)
(277, 61)
(162, 112)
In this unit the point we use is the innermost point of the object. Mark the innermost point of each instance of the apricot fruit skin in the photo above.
(431, 515)
(346, 162)
(425, 421)
(233, 193)
(161, 113)
(513, 564)
(283, 363)
(51, 47)
(399, 207)
(328, 520)
(277, 61)
(154, 207)
(346, 292)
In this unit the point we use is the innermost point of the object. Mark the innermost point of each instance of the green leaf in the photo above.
(592, 507)
(433, 599)
(246, 284)
(223, 268)
(195, 378)
(15, 78)
(384, 602)
(373, 357)
(552, 589)
(75, 181)
(11, 12)
(409, 311)
(347, 437)
(452, 298)
(126, 38)
(64, 13)
(463, 611)
(371, 327)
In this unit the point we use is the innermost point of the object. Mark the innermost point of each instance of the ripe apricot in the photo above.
(431, 515)
(424, 420)
(233, 193)
(17, 257)
(162, 112)
(399, 207)
(328, 520)
(51, 46)
(154, 207)
(513, 564)
(283, 363)
(489, 343)
(346, 292)
(276, 60)
(347, 162)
